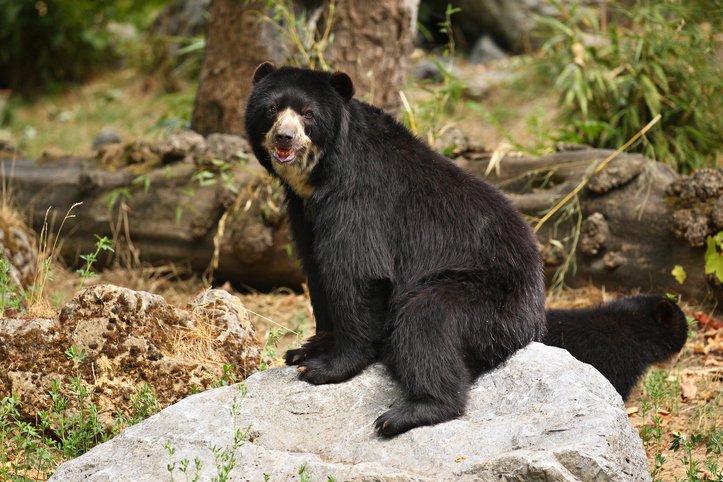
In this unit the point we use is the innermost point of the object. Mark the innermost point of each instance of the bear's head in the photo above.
(293, 117)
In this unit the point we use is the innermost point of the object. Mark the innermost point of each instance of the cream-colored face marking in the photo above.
(292, 152)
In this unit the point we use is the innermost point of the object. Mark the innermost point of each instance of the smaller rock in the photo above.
(701, 184)
(594, 233)
(716, 215)
(107, 136)
(693, 225)
(178, 146)
(618, 172)
(451, 142)
(9, 150)
(484, 50)
(52, 153)
(224, 147)
(427, 70)
(614, 259)
(553, 254)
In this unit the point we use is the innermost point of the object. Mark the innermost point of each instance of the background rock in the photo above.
(541, 416)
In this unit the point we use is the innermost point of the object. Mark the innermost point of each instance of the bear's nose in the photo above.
(284, 136)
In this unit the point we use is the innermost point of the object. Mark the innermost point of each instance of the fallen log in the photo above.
(616, 232)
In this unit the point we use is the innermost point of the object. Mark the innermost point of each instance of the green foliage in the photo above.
(659, 393)
(663, 63)
(713, 448)
(103, 244)
(44, 43)
(304, 43)
(427, 117)
(268, 353)
(228, 378)
(143, 405)
(713, 256)
(77, 430)
(34, 457)
(10, 295)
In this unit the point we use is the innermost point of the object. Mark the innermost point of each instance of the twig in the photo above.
(597, 170)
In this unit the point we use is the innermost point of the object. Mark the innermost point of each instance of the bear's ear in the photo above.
(342, 84)
(262, 71)
(665, 314)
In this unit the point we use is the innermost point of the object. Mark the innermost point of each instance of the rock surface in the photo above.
(129, 337)
(541, 416)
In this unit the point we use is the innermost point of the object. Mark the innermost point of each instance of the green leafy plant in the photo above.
(228, 378)
(679, 442)
(80, 429)
(268, 353)
(143, 405)
(10, 293)
(103, 244)
(714, 257)
(429, 116)
(659, 393)
(304, 43)
(662, 63)
(34, 456)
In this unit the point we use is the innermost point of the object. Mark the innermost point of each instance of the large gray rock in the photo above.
(541, 416)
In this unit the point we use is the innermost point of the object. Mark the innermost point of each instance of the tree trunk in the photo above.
(372, 43)
(235, 45)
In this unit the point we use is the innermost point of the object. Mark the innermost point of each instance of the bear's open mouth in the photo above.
(284, 155)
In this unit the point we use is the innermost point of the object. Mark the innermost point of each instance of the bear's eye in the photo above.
(272, 109)
(308, 114)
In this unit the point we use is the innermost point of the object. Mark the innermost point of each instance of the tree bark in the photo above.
(623, 215)
(372, 43)
(235, 45)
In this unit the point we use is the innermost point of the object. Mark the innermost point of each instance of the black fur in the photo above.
(621, 338)
(410, 260)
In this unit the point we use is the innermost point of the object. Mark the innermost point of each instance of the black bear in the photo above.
(410, 260)
(620, 338)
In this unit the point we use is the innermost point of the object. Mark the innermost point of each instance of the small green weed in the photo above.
(268, 354)
(78, 430)
(143, 405)
(103, 244)
(10, 293)
(228, 378)
(34, 456)
(428, 117)
(660, 394)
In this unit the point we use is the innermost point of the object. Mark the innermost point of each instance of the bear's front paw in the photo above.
(293, 357)
(317, 371)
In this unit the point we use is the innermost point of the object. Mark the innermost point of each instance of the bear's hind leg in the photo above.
(425, 354)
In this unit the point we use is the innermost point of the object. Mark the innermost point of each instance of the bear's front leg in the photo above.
(342, 364)
(358, 317)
